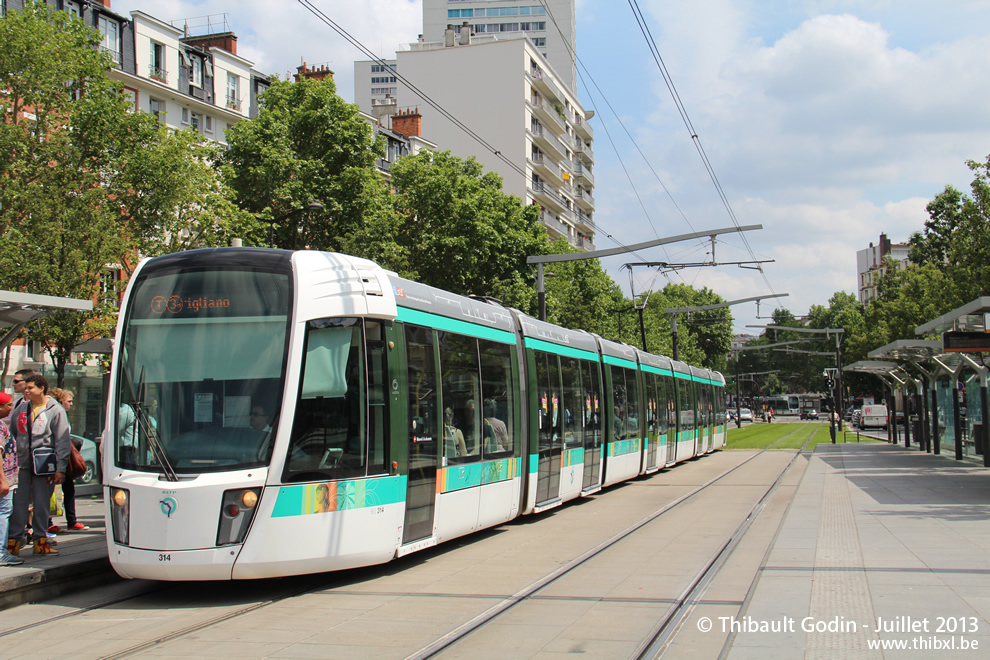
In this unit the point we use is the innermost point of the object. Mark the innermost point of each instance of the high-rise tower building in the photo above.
(549, 24)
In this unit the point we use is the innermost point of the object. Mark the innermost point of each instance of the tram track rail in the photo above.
(658, 636)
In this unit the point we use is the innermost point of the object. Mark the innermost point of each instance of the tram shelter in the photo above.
(18, 309)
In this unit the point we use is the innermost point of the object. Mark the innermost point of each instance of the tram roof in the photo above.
(533, 328)
(617, 349)
(658, 361)
(18, 309)
(425, 298)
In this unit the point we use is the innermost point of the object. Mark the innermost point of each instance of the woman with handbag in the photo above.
(65, 398)
(41, 430)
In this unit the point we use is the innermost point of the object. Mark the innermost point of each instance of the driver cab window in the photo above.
(330, 432)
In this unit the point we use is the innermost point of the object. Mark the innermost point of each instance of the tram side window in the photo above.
(620, 398)
(634, 406)
(460, 394)
(570, 371)
(687, 400)
(378, 432)
(328, 435)
(497, 390)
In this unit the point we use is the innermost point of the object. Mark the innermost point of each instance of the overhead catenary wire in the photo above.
(696, 140)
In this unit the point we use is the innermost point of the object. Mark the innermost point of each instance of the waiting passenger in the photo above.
(453, 437)
(495, 429)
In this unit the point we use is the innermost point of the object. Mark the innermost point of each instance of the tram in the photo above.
(277, 413)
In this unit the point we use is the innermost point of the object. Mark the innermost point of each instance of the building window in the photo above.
(233, 95)
(196, 72)
(195, 120)
(539, 42)
(108, 287)
(156, 68)
(72, 8)
(157, 108)
(208, 124)
(110, 32)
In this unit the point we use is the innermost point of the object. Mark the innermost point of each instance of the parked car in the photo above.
(91, 455)
(809, 414)
(745, 415)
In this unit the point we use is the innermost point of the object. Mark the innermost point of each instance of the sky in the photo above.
(828, 122)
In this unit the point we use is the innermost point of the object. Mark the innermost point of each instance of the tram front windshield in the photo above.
(201, 368)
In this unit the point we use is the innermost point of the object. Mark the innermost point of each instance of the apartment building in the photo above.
(524, 110)
(375, 86)
(187, 76)
(549, 24)
(870, 265)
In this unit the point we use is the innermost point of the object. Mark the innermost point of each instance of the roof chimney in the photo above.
(448, 36)
(465, 34)
(408, 123)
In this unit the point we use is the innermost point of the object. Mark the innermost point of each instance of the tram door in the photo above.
(550, 426)
(652, 419)
(424, 434)
(592, 415)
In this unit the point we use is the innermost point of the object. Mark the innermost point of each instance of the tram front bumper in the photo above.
(173, 565)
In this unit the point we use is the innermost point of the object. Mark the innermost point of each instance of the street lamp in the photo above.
(312, 206)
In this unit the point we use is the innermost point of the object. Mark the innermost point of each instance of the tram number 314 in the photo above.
(164, 557)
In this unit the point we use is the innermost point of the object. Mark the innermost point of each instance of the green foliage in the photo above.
(308, 145)
(459, 231)
(86, 180)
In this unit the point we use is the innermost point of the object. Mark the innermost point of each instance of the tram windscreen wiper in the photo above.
(151, 432)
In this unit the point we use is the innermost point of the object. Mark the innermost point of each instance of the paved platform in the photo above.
(873, 531)
(82, 560)
(876, 531)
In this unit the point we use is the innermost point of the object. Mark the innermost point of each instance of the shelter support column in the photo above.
(936, 441)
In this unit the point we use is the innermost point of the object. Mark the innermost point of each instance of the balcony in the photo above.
(547, 168)
(233, 104)
(580, 147)
(555, 224)
(114, 56)
(584, 199)
(584, 220)
(159, 74)
(548, 142)
(545, 84)
(582, 243)
(582, 128)
(548, 115)
(581, 171)
(547, 197)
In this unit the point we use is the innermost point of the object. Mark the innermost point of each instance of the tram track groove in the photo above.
(662, 635)
(528, 593)
(507, 602)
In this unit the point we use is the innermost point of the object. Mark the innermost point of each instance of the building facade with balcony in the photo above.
(185, 80)
(523, 109)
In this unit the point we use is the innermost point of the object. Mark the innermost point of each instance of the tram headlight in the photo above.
(236, 512)
(120, 515)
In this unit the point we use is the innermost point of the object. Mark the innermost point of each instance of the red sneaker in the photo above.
(54, 529)
(77, 527)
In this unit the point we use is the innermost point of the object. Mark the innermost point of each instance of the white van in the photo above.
(874, 416)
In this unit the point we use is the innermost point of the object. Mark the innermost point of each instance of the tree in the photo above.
(581, 295)
(87, 181)
(60, 230)
(307, 145)
(459, 231)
